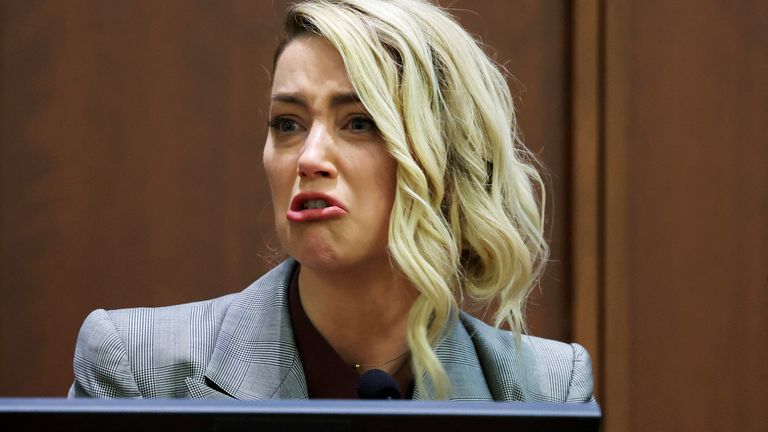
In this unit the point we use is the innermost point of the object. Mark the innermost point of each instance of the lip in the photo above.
(334, 210)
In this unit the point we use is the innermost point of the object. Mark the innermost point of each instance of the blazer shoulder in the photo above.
(123, 352)
(171, 316)
(101, 364)
(530, 368)
(152, 352)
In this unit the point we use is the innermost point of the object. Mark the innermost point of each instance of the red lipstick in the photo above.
(314, 206)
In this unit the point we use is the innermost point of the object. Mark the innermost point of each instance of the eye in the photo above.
(284, 125)
(361, 124)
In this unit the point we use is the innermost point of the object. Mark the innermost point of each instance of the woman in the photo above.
(400, 190)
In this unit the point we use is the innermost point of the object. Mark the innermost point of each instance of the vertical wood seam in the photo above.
(616, 332)
(585, 172)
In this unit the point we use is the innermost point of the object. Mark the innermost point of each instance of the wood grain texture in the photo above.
(131, 165)
(586, 167)
(687, 108)
(700, 222)
(616, 359)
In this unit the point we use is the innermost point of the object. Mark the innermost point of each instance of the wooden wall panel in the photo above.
(687, 139)
(130, 165)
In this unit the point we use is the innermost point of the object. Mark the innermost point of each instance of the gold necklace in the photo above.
(371, 365)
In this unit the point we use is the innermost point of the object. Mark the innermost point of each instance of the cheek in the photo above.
(267, 161)
(280, 193)
(278, 172)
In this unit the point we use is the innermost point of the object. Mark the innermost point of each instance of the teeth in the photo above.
(314, 204)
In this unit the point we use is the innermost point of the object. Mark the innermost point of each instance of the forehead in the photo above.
(310, 63)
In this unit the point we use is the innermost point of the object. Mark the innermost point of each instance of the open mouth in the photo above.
(314, 206)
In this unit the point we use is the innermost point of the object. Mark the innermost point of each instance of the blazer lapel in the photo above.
(255, 356)
(457, 354)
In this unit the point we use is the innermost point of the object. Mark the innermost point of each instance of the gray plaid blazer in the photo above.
(241, 346)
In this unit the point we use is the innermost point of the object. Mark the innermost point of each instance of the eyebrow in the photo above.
(336, 100)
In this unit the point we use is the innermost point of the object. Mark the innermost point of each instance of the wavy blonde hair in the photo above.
(467, 220)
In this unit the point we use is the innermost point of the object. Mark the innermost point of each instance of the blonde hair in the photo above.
(467, 220)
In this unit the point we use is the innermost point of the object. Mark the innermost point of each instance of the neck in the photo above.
(362, 312)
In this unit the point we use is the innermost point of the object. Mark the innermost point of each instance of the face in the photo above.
(331, 178)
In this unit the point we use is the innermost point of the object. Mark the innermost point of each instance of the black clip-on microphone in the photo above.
(377, 384)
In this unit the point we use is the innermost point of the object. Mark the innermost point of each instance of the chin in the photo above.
(330, 260)
(322, 252)
(315, 254)
(336, 263)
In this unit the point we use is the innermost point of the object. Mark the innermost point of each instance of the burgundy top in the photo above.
(328, 376)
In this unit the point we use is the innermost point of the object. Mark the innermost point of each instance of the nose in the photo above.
(316, 159)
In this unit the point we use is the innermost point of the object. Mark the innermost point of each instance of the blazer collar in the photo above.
(457, 354)
(255, 356)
